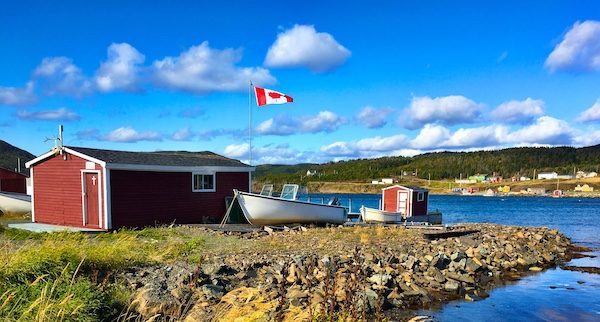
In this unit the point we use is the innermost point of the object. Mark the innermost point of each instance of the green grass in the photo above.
(50, 276)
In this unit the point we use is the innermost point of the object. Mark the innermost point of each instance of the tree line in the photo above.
(525, 161)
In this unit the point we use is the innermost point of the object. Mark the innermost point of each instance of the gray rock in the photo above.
(380, 279)
(212, 292)
(451, 286)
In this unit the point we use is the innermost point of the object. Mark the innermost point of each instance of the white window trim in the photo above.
(213, 174)
(420, 196)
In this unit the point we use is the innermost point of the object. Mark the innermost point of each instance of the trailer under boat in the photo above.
(261, 210)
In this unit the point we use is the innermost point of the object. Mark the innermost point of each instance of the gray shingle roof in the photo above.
(161, 158)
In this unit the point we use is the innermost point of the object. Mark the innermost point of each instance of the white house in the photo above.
(547, 175)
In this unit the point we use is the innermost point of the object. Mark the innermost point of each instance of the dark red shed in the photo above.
(11, 181)
(108, 189)
(410, 201)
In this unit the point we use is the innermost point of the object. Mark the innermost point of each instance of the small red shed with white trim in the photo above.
(109, 189)
(11, 181)
(407, 200)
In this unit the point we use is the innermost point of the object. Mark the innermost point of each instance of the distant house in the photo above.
(495, 179)
(465, 181)
(583, 174)
(504, 189)
(536, 190)
(479, 177)
(11, 181)
(565, 176)
(584, 188)
(310, 173)
(387, 180)
(524, 178)
(108, 189)
(547, 175)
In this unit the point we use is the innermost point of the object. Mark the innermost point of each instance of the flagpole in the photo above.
(250, 123)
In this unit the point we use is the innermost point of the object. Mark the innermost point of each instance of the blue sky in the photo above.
(368, 79)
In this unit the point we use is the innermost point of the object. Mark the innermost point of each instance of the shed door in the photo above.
(91, 200)
(402, 202)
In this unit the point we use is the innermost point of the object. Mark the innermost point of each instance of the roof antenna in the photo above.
(58, 141)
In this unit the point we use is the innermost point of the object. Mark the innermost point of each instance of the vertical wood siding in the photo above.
(142, 198)
(57, 190)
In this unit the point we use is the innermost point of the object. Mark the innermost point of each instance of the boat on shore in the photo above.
(15, 203)
(261, 210)
(370, 215)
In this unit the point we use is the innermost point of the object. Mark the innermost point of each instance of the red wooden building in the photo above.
(410, 201)
(11, 181)
(107, 189)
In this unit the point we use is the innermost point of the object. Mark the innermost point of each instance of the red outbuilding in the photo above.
(11, 181)
(106, 189)
(410, 201)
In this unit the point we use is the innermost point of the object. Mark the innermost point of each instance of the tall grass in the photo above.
(68, 276)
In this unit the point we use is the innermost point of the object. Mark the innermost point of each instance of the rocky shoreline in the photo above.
(387, 273)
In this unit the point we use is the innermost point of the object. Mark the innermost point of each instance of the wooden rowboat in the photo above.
(370, 215)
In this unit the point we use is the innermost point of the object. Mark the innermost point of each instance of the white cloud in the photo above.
(447, 110)
(519, 111)
(129, 135)
(325, 121)
(546, 130)
(270, 154)
(579, 50)
(303, 46)
(367, 147)
(592, 114)
(58, 75)
(379, 143)
(202, 70)
(587, 138)
(14, 96)
(431, 136)
(373, 118)
(478, 137)
(120, 71)
(183, 134)
(61, 114)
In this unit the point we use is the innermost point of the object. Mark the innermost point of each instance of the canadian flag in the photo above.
(266, 96)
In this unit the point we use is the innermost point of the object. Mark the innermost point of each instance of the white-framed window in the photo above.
(203, 182)
(420, 196)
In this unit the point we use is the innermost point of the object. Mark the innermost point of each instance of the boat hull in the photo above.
(15, 203)
(370, 215)
(265, 210)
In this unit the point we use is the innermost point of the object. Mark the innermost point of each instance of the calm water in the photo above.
(552, 295)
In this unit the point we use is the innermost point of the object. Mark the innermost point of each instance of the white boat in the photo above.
(370, 215)
(15, 203)
(262, 210)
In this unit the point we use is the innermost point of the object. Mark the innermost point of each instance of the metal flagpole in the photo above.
(250, 123)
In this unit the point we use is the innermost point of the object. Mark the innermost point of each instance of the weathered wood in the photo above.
(449, 233)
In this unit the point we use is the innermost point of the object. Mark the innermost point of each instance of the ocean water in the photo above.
(551, 295)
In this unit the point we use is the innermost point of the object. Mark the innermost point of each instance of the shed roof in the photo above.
(177, 159)
(415, 188)
(164, 158)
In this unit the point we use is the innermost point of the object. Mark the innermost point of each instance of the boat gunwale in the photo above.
(288, 200)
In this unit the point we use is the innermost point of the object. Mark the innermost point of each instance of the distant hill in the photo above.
(442, 165)
(9, 155)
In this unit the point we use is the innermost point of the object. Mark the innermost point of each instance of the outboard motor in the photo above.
(333, 201)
